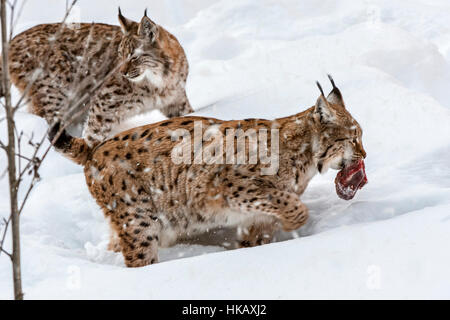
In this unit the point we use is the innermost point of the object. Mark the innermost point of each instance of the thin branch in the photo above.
(11, 19)
(85, 51)
(25, 95)
(23, 157)
(5, 230)
(28, 165)
(19, 153)
(14, 25)
(2, 241)
(6, 252)
(30, 187)
(3, 173)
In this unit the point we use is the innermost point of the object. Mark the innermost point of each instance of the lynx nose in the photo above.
(361, 151)
(124, 69)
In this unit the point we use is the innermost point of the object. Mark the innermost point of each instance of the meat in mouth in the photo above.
(350, 179)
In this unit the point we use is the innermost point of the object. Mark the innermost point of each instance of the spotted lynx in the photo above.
(152, 200)
(50, 62)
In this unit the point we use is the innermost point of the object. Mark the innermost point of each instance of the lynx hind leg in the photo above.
(285, 206)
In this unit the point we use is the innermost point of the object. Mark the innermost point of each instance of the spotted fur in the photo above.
(150, 201)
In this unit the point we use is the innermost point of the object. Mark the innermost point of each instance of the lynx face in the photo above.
(341, 145)
(140, 51)
(343, 134)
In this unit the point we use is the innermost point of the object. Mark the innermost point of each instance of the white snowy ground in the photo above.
(260, 58)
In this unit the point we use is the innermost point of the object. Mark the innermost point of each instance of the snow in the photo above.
(260, 58)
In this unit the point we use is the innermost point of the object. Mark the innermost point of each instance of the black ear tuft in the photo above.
(145, 13)
(335, 95)
(320, 87)
(332, 81)
(125, 24)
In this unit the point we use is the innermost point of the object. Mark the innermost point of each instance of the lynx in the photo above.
(52, 62)
(151, 201)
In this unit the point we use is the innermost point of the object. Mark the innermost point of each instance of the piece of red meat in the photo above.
(350, 179)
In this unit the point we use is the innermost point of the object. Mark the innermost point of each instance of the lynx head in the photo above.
(140, 51)
(340, 142)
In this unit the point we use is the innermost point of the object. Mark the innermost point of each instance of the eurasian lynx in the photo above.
(51, 62)
(152, 200)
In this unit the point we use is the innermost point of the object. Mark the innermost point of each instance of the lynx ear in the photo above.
(335, 96)
(125, 24)
(322, 108)
(147, 28)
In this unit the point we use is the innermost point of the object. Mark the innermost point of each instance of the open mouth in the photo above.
(350, 179)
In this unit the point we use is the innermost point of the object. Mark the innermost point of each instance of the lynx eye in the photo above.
(131, 57)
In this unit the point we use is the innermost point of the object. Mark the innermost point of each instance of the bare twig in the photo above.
(30, 187)
(18, 153)
(2, 241)
(6, 252)
(3, 173)
(14, 24)
(23, 157)
(5, 229)
(12, 8)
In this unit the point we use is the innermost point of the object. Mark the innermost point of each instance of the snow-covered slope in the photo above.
(260, 58)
